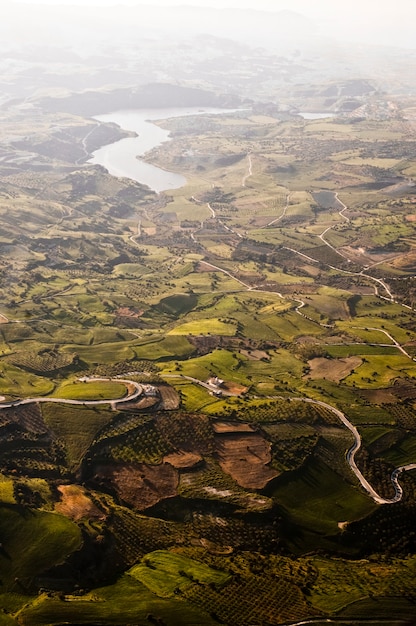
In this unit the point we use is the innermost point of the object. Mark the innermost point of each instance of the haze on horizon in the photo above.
(372, 21)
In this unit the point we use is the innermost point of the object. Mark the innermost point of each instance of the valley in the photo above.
(208, 390)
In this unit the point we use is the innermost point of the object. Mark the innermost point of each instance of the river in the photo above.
(121, 158)
(315, 116)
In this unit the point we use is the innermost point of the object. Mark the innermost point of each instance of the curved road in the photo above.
(350, 455)
(86, 379)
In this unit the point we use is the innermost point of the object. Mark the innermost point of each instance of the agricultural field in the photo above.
(205, 392)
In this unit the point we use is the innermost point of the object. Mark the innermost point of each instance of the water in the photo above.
(121, 157)
(315, 116)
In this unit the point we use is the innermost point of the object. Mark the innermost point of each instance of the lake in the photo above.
(121, 157)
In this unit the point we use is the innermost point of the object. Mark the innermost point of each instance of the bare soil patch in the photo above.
(125, 311)
(405, 262)
(234, 388)
(379, 396)
(228, 427)
(183, 460)
(332, 369)
(245, 458)
(139, 485)
(255, 355)
(76, 505)
(143, 403)
(170, 397)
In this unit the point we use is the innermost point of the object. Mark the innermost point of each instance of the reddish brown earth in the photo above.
(183, 460)
(143, 403)
(232, 427)
(76, 505)
(138, 485)
(245, 458)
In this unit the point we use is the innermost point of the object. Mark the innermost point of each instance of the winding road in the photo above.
(350, 454)
(85, 379)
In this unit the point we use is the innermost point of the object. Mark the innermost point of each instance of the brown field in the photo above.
(170, 397)
(138, 485)
(76, 505)
(228, 427)
(143, 403)
(332, 369)
(182, 460)
(245, 458)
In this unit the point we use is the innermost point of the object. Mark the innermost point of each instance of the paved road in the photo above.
(350, 456)
(128, 398)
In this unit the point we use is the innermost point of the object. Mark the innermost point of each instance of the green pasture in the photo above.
(76, 426)
(377, 371)
(104, 352)
(360, 349)
(222, 363)
(341, 583)
(366, 413)
(91, 390)
(371, 328)
(32, 542)
(125, 602)
(399, 609)
(6, 490)
(316, 498)
(65, 335)
(370, 434)
(252, 326)
(201, 282)
(281, 368)
(134, 270)
(402, 453)
(18, 383)
(291, 325)
(164, 573)
(206, 327)
(178, 304)
(193, 396)
(107, 335)
(170, 347)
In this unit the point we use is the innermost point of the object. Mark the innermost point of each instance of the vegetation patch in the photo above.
(164, 573)
(91, 390)
(206, 327)
(31, 543)
(44, 362)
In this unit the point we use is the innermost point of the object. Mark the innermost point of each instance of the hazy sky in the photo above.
(355, 8)
(383, 21)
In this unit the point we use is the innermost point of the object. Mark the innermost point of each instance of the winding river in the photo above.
(121, 158)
